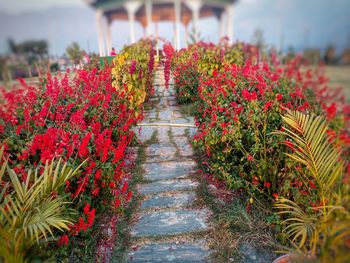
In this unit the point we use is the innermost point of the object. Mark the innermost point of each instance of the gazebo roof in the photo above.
(162, 10)
(107, 4)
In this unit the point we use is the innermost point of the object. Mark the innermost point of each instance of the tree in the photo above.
(33, 50)
(74, 52)
(330, 55)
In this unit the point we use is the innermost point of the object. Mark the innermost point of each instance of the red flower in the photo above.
(63, 241)
(331, 111)
(267, 184)
(95, 191)
(91, 217)
(86, 209)
(125, 187)
(117, 202)
(129, 196)
(83, 151)
(255, 180)
(250, 158)
(275, 195)
(268, 105)
(312, 185)
(279, 96)
(98, 174)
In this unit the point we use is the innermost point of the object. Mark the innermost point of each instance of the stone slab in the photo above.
(144, 133)
(160, 152)
(168, 170)
(175, 200)
(185, 150)
(166, 186)
(160, 149)
(181, 141)
(165, 223)
(178, 131)
(170, 252)
(163, 133)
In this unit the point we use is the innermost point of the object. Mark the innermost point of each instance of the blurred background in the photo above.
(65, 32)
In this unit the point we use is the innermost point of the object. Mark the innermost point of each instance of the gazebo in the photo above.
(147, 11)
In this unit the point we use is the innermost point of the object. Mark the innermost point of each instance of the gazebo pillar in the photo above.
(101, 45)
(229, 13)
(108, 36)
(222, 24)
(195, 6)
(177, 5)
(148, 7)
(131, 8)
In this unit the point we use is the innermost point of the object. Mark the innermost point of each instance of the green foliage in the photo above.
(74, 53)
(132, 71)
(322, 228)
(33, 50)
(200, 60)
(31, 210)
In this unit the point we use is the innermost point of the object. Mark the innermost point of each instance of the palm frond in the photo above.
(313, 149)
(30, 212)
(299, 225)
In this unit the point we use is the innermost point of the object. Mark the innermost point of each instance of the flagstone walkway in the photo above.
(168, 226)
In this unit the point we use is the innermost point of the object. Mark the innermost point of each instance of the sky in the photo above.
(297, 23)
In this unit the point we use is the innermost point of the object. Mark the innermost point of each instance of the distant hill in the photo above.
(59, 25)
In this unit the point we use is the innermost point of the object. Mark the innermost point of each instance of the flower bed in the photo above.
(87, 117)
(238, 110)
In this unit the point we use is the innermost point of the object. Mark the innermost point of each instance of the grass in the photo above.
(188, 109)
(339, 76)
(233, 226)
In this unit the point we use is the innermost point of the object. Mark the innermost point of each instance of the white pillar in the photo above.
(229, 12)
(101, 48)
(148, 7)
(195, 6)
(186, 35)
(131, 7)
(222, 25)
(177, 5)
(108, 37)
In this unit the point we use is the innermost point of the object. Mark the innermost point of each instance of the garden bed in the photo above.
(85, 122)
(260, 125)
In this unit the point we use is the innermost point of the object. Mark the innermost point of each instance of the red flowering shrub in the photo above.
(239, 106)
(237, 112)
(168, 51)
(76, 118)
(200, 60)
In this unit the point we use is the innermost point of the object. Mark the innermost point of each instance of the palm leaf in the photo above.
(323, 159)
(30, 213)
(300, 225)
(325, 166)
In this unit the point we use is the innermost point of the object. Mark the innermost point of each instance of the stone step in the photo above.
(166, 186)
(170, 252)
(173, 200)
(168, 170)
(165, 223)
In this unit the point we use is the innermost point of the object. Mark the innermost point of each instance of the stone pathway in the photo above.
(168, 226)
